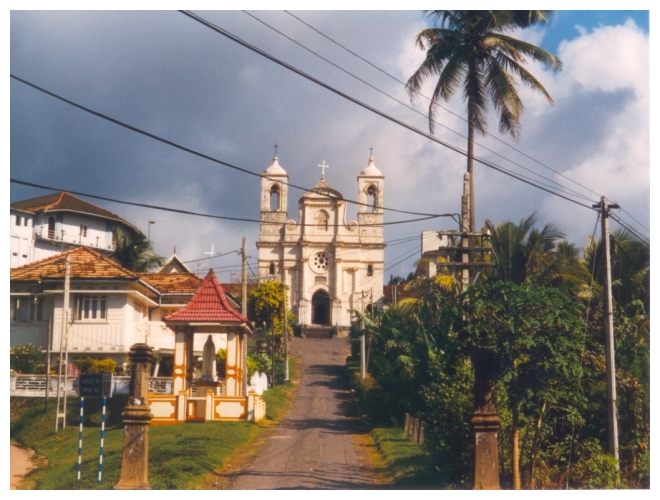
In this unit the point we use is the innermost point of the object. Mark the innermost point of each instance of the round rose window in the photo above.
(320, 261)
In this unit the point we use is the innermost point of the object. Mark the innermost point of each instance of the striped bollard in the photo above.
(80, 437)
(102, 449)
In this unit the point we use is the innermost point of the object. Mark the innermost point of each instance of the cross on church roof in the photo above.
(275, 146)
(212, 253)
(323, 165)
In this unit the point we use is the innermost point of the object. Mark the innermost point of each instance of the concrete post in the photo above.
(137, 416)
(485, 424)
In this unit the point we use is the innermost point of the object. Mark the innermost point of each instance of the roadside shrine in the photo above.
(207, 398)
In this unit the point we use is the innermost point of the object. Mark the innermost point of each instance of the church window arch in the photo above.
(372, 197)
(271, 268)
(274, 199)
(322, 220)
(370, 270)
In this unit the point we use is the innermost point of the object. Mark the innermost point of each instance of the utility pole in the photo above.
(244, 309)
(608, 322)
(286, 335)
(60, 412)
(363, 342)
(150, 222)
(466, 228)
(49, 345)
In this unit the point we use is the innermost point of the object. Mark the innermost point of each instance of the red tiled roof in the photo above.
(66, 202)
(208, 305)
(85, 263)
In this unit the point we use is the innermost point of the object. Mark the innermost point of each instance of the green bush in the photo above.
(595, 469)
(27, 359)
(88, 365)
(221, 362)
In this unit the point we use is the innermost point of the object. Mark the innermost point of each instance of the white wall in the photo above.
(22, 240)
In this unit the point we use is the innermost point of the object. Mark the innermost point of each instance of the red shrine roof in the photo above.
(208, 305)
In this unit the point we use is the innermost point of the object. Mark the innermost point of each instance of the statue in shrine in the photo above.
(208, 361)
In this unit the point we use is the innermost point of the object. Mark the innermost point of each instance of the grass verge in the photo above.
(185, 456)
(409, 466)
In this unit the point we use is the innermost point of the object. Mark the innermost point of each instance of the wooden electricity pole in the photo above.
(244, 310)
(363, 343)
(286, 335)
(608, 323)
(60, 412)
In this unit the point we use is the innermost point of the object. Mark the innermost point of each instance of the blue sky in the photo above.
(160, 71)
(563, 23)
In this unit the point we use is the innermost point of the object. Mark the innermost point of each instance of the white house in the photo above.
(110, 307)
(50, 224)
(331, 265)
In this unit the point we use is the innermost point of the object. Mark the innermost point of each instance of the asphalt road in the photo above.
(313, 448)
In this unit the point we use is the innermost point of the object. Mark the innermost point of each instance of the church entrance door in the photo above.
(321, 308)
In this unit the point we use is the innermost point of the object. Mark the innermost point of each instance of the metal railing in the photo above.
(34, 386)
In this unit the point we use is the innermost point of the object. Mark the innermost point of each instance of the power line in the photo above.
(200, 154)
(198, 214)
(210, 257)
(338, 92)
(353, 53)
(631, 230)
(635, 220)
(412, 108)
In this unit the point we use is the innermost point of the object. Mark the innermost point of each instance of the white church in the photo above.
(331, 265)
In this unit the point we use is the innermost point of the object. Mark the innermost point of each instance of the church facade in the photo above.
(331, 266)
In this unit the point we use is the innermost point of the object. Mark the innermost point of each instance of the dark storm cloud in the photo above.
(169, 75)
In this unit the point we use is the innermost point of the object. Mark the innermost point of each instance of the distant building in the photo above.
(53, 223)
(174, 265)
(331, 265)
(433, 247)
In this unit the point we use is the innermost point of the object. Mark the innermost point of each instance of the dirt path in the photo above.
(20, 463)
(314, 448)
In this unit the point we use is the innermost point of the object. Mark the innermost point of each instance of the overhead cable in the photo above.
(199, 214)
(415, 110)
(461, 117)
(340, 93)
(199, 154)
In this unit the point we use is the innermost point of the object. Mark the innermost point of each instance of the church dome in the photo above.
(371, 170)
(275, 168)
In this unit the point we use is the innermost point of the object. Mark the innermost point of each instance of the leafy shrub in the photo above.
(27, 359)
(88, 365)
(595, 469)
(221, 362)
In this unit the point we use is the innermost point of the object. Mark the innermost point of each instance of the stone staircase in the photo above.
(318, 332)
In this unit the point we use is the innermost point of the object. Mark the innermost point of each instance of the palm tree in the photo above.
(470, 49)
(136, 253)
(524, 254)
(630, 261)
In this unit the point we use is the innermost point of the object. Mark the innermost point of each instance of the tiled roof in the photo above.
(64, 201)
(183, 283)
(85, 263)
(208, 305)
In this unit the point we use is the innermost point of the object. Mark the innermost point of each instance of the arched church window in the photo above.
(271, 268)
(274, 198)
(322, 220)
(372, 197)
(370, 270)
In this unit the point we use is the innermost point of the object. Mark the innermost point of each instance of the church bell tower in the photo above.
(370, 195)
